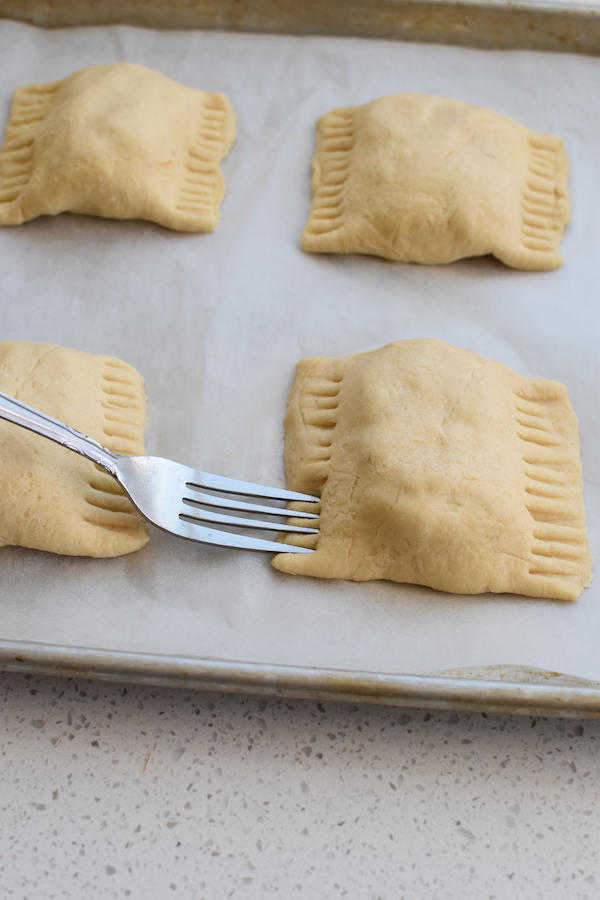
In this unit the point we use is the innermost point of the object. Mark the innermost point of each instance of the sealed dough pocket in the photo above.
(430, 180)
(120, 141)
(438, 467)
(50, 498)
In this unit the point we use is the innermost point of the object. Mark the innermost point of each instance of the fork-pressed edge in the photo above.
(157, 488)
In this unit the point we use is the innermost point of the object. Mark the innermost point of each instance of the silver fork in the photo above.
(170, 495)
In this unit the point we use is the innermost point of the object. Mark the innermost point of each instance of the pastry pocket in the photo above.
(51, 498)
(438, 467)
(423, 179)
(119, 141)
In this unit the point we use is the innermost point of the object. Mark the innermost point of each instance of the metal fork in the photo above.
(170, 495)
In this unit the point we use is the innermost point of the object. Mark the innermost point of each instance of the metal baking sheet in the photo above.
(216, 324)
(563, 26)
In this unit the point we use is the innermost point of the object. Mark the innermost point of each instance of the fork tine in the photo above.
(226, 503)
(203, 515)
(154, 486)
(193, 531)
(233, 486)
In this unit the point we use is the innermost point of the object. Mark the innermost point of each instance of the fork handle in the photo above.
(26, 416)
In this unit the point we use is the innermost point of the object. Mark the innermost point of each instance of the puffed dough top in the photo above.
(423, 179)
(438, 467)
(119, 141)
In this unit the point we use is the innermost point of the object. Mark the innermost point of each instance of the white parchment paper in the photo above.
(216, 324)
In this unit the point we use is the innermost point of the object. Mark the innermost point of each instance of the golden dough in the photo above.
(119, 141)
(51, 498)
(428, 180)
(438, 467)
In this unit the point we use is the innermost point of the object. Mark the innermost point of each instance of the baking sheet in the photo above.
(217, 322)
(567, 26)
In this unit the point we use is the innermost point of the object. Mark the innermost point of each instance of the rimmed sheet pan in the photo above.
(563, 26)
(216, 324)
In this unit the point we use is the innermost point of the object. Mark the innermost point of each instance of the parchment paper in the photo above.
(216, 324)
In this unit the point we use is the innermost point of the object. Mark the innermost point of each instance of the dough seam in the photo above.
(318, 404)
(545, 205)
(552, 474)
(108, 506)
(126, 439)
(29, 108)
(202, 184)
(334, 149)
(320, 421)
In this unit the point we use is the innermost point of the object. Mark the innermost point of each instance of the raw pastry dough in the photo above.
(119, 141)
(438, 467)
(51, 498)
(428, 180)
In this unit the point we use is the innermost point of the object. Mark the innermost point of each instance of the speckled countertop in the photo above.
(112, 790)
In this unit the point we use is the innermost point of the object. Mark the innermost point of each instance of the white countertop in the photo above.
(110, 790)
